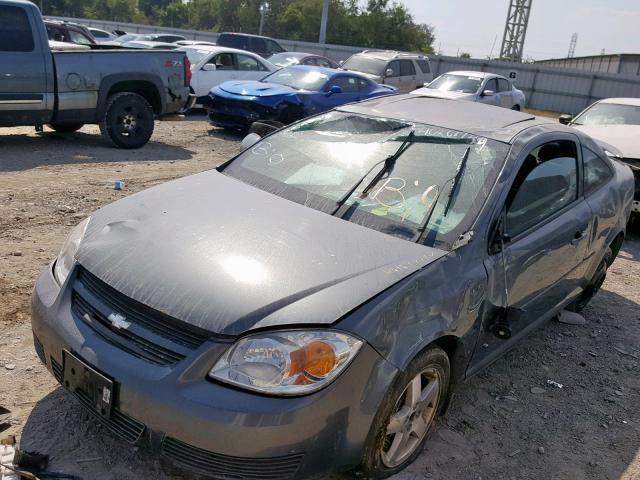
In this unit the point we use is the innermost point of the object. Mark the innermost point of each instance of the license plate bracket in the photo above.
(84, 380)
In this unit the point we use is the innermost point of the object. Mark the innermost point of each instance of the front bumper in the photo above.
(191, 101)
(209, 427)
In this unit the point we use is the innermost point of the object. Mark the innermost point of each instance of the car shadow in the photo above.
(53, 148)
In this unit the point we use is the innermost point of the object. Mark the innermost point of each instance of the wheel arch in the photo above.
(147, 86)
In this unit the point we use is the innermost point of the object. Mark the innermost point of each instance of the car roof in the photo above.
(478, 119)
(245, 35)
(472, 73)
(622, 101)
(391, 54)
(219, 48)
(298, 54)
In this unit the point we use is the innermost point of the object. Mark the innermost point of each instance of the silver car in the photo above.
(481, 87)
(308, 306)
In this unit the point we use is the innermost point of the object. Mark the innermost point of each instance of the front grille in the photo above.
(37, 344)
(150, 335)
(57, 369)
(120, 424)
(223, 466)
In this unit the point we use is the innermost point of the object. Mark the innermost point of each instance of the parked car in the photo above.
(68, 32)
(307, 306)
(288, 95)
(192, 43)
(150, 45)
(286, 59)
(127, 37)
(405, 71)
(101, 35)
(213, 65)
(480, 87)
(263, 46)
(616, 122)
(122, 91)
(161, 37)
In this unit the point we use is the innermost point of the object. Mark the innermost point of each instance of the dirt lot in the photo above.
(496, 427)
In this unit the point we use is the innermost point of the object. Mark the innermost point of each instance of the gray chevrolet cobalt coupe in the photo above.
(308, 306)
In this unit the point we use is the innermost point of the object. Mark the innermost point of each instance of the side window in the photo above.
(348, 84)
(492, 85)
(245, 62)
(273, 47)
(503, 85)
(310, 61)
(596, 171)
(15, 31)
(80, 38)
(424, 66)
(234, 41)
(395, 68)
(406, 68)
(363, 85)
(223, 61)
(258, 45)
(546, 183)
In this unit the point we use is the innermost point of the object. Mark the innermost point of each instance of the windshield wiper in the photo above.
(389, 163)
(456, 181)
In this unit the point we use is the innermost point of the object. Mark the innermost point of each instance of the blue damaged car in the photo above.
(288, 95)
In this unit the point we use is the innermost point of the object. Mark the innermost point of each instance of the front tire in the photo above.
(66, 127)
(516, 108)
(406, 415)
(128, 120)
(594, 286)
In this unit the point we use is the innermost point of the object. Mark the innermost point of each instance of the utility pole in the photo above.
(515, 30)
(572, 45)
(323, 22)
(264, 9)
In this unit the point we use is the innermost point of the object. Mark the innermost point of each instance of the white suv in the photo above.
(405, 71)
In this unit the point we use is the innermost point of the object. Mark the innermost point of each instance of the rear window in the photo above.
(234, 41)
(15, 31)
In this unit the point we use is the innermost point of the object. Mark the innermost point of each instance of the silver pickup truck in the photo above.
(123, 91)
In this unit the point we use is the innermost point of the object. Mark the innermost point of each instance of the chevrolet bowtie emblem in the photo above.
(118, 321)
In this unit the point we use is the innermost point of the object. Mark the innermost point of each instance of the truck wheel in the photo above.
(66, 127)
(406, 415)
(128, 120)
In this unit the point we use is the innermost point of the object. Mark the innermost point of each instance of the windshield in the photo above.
(609, 114)
(319, 161)
(361, 63)
(456, 83)
(298, 78)
(195, 55)
(283, 59)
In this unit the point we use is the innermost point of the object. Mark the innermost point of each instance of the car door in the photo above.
(408, 76)
(259, 46)
(491, 85)
(249, 68)
(350, 87)
(24, 80)
(272, 47)
(217, 69)
(540, 264)
(392, 74)
(505, 93)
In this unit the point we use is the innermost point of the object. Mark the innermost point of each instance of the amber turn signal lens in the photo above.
(317, 359)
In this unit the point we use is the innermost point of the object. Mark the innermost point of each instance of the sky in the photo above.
(470, 26)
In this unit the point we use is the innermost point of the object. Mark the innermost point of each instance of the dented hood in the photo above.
(228, 257)
(256, 88)
(623, 137)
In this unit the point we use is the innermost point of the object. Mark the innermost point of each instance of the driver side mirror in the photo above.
(249, 141)
(334, 89)
(389, 72)
(426, 84)
(209, 67)
(565, 119)
(487, 93)
(499, 237)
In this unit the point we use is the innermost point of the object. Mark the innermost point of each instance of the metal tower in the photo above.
(515, 30)
(572, 45)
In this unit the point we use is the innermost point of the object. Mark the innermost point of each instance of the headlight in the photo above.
(287, 362)
(64, 262)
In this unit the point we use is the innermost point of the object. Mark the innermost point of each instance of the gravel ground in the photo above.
(496, 427)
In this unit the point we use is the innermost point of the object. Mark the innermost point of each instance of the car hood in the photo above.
(222, 255)
(622, 137)
(431, 92)
(256, 89)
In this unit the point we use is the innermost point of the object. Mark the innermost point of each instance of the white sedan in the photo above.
(212, 65)
(472, 86)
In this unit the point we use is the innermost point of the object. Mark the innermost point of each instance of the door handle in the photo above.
(579, 235)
